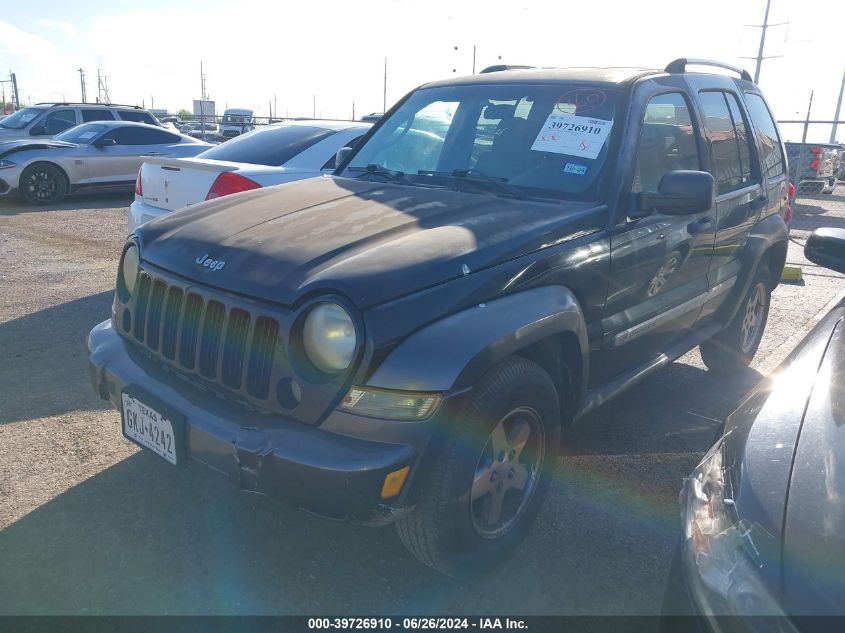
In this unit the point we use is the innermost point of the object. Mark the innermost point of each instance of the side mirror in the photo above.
(104, 142)
(826, 247)
(342, 154)
(681, 192)
(38, 130)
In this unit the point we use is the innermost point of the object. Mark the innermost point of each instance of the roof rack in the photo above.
(500, 67)
(76, 103)
(680, 66)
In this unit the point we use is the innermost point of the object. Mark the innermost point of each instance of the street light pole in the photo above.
(838, 109)
(807, 120)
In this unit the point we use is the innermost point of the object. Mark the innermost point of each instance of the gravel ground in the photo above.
(91, 525)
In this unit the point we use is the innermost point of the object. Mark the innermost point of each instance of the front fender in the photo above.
(453, 353)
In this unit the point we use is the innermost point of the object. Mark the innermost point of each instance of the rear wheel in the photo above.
(735, 346)
(42, 183)
(487, 485)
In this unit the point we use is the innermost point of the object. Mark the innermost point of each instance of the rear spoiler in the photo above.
(176, 164)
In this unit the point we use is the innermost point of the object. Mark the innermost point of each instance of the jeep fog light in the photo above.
(129, 268)
(390, 405)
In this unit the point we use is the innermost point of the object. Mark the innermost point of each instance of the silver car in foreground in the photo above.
(101, 156)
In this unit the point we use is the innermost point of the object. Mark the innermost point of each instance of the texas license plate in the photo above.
(150, 428)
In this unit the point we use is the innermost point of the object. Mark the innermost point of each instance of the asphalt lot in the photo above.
(91, 525)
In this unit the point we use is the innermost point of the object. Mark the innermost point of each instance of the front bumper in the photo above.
(331, 473)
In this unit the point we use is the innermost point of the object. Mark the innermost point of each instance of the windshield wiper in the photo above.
(393, 176)
(479, 177)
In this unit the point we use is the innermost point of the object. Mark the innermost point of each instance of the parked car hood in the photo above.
(369, 241)
(11, 147)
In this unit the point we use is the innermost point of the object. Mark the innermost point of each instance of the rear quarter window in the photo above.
(273, 147)
(138, 116)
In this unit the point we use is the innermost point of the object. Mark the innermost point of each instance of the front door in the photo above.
(659, 263)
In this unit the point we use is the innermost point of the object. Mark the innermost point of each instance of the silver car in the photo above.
(105, 155)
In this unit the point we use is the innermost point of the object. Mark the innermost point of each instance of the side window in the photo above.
(137, 116)
(100, 114)
(667, 141)
(768, 139)
(140, 136)
(725, 161)
(59, 121)
(743, 138)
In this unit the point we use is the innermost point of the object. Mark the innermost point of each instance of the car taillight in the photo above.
(230, 182)
(790, 197)
(139, 189)
(791, 192)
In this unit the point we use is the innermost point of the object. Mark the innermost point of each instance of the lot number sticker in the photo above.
(572, 135)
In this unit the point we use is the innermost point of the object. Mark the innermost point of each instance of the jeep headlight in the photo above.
(129, 267)
(328, 337)
(722, 561)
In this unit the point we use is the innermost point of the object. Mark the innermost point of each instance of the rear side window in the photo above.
(768, 139)
(98, 114)
(667, 141)
(59, 121)
(138, 116)
(729, 169)
(270, 146)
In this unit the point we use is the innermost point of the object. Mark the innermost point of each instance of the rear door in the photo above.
(771, 154)
(659, 263)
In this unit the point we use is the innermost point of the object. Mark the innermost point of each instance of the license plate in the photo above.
(149, 428)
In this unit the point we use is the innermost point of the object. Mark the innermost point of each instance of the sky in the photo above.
(317, 58)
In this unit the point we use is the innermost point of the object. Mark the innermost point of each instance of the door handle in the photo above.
(704, 225)
(758, 203)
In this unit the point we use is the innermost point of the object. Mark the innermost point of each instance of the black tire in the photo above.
(43, 183)
(447, 530)
(734, 348)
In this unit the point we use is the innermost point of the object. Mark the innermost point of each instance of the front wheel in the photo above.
(487, 485)
(42, 183)
(734, 347)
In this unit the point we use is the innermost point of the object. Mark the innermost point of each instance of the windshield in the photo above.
(545, 140)
(81, 134)
(236, 118)
(20, 119)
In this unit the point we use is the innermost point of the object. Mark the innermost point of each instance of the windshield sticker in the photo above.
(580, 101)
(26, 118)
(572, 135)
(86, 135)
(572, 168)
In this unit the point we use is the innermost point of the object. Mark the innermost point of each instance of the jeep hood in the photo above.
(369, 241)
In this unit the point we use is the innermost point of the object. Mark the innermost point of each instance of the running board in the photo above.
(597, 397)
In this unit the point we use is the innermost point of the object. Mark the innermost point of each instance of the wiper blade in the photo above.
(372, 168)
(480, 177)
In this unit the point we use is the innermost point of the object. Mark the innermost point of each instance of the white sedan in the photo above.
(271, 155)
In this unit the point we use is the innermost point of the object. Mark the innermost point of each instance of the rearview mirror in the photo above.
(826, 247)
(342, 154)
(681, 192)
(104, 142)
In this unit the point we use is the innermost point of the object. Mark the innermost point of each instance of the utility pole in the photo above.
(15, 90)
(314, 107)
(202, 102)
(353, 110)
(763, 27)
(807, 121)
(838, 109)
(82, 84)
(473, 59)
(384, 100)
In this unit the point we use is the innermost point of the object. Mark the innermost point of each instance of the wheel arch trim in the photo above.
(453, 353)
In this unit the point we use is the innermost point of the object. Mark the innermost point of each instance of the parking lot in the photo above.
(91, 525)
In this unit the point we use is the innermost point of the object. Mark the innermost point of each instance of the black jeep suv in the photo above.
(402, 341)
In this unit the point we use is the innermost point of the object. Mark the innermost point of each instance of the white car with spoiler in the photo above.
(272, 155)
